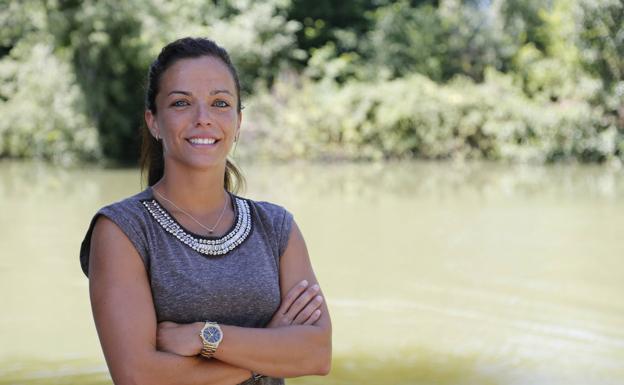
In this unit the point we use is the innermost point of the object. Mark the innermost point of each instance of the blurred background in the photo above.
(455, 166)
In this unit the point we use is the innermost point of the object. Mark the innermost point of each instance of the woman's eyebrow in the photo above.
(187, 93)
(180, 92)
(214, 92)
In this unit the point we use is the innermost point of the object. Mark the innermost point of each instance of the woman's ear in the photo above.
(152, 125)
(240, 119)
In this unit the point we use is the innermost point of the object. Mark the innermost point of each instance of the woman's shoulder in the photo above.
(130, 216)
(271, 212)
(129, 206)
(267, 208)
(274, 220)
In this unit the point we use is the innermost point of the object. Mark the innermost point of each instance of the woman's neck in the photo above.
(199, 191)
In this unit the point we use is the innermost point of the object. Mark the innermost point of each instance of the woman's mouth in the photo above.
(202, 141)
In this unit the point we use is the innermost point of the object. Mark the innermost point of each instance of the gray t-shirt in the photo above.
(232, 280)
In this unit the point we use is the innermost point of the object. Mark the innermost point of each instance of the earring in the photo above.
(235, 144)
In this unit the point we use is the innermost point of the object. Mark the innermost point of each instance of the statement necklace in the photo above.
(210, 230)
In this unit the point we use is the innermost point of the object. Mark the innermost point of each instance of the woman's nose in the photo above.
(204, 117)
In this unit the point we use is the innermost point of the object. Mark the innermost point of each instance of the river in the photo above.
(434, 273)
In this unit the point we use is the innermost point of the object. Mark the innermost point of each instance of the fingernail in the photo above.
(304, 283)
(315, 287)
(319, 298)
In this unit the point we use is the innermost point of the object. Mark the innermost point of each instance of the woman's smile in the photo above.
(203, 141)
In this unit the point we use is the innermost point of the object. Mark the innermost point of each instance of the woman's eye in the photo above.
(180, 103)
(221, 103)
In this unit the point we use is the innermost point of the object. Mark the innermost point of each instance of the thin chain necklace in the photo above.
(210, 230)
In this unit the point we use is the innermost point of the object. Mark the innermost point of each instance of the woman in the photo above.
(190, 283)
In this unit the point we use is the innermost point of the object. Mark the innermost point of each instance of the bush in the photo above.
(415, 117)
(43, 108)
(382, 79)
(437, 41)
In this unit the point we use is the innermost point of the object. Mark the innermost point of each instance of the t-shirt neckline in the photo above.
(233, 204)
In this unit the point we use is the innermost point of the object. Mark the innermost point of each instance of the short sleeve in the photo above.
(284, 231)
(129, 224)
(275, 223)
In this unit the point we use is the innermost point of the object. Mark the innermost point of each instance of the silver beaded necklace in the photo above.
(210, 230)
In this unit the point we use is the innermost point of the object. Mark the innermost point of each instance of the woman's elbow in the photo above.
(135, 372)
(323, 354)
(129, 378)
(324, 364)
(317, 363)
(137, 378)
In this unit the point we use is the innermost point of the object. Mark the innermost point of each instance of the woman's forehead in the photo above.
(200, 73)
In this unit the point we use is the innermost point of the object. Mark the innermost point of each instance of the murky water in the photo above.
(434, 273)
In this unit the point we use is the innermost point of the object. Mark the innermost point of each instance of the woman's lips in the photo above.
(202, 140)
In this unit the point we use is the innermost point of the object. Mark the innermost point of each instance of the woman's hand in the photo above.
(301, 306)
(180, 339)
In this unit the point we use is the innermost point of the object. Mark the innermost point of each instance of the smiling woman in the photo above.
(189, 282)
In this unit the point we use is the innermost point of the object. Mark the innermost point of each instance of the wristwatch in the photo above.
(211, 336)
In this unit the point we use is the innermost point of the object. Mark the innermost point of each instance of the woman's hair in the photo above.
(151, 149)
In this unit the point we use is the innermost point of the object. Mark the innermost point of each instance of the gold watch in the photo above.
(211, 336)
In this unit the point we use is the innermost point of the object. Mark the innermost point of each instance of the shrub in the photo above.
(43, 108)
(416, 117)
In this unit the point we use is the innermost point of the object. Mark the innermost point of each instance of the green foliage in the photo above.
(107, 51)
(436, 41)
(360, 79)
(327, 21)
(42, 106)
(523, 19)
(415, 117)
(602, 42)
(42, 109)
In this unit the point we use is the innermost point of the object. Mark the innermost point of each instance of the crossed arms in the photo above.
(138, 351)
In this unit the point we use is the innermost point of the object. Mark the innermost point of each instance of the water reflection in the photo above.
(354, 182)
(441, 181)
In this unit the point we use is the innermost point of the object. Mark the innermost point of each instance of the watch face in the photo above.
(212, 334)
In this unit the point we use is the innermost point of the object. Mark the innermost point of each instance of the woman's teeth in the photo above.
(202, 140)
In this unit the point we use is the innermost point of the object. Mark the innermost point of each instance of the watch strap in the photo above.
(208, 350)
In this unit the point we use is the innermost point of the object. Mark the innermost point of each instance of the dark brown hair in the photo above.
(151, 149)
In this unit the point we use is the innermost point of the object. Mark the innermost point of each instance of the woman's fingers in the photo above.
(301, 302)
(279, 318)
(291, 296)
(299, 306)
(316, 314)
(308, 310)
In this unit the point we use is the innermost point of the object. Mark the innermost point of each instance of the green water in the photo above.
(434, 273)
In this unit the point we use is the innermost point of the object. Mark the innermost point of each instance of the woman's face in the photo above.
(197, 118)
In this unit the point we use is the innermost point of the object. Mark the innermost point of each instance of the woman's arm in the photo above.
(125, 319)
(291, 349)
(300, 306)
(286, 351)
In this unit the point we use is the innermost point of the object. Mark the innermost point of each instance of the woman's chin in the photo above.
(198, 163)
